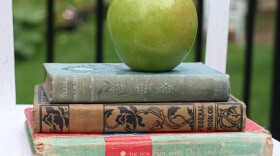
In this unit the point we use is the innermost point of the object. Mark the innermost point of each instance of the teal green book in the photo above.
(115, 82)
(254, 140)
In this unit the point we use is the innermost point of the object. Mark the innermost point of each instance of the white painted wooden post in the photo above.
(237, 19)
(7, 67)
(217, 34)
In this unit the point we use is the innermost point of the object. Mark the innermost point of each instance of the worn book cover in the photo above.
(115, 82)
(254, 140)
(137, 117)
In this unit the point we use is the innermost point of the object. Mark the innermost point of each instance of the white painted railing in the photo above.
(238, 11)
(217, 34)
(7, 67)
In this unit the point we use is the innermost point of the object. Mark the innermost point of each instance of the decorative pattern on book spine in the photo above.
(129, 118)
(142, 117)
(55, 118)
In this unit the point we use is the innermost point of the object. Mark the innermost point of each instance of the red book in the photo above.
(254, 140)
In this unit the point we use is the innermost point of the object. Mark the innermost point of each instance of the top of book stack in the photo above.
(115, 82)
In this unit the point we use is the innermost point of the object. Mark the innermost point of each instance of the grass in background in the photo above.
(260, 97)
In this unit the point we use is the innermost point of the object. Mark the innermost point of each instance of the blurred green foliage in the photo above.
(28, 28)
(30, 18)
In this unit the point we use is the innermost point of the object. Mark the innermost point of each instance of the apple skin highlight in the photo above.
(152, 35)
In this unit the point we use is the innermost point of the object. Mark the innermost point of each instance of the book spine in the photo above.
(160, 145)
(139, 117)
(139, 88)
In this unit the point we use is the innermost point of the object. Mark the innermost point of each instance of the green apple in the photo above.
(152, 35)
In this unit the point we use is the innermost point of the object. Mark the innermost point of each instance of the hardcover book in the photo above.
(254, 140)
(137, 117)
(115, 82)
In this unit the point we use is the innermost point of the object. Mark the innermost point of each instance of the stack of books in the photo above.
(101, 109)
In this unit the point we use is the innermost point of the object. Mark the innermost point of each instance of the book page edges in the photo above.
(36, 109)
(47, 87)
(38, 143)
(269, 143)
(244, 114)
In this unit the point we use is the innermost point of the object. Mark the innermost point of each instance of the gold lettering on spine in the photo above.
(205, 117)
(210, 118)
(200, 117)
(64, 88)
(91, 89)
(75, 88)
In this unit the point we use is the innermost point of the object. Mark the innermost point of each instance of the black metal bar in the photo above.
(50, 30)
(99, 31)
(275, 116)
(199, 36)
(249, 52)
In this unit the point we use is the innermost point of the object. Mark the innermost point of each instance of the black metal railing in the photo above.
(275, 116)
(199, 35)
(99, 31)
(249, 52)
(275, 128)
(50, 31)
